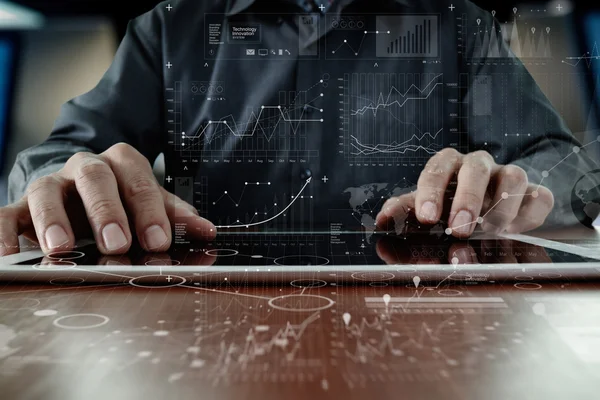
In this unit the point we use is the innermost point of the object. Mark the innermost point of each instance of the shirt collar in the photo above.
(238, 6)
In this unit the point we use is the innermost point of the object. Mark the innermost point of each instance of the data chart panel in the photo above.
(391, 117)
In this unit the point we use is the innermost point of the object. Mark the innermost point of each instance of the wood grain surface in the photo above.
(301, 339)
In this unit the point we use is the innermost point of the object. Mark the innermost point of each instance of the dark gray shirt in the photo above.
(359, 97)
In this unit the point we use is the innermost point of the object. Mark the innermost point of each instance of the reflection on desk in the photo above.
(301, 338)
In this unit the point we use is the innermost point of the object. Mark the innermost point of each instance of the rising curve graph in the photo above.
(274, 217)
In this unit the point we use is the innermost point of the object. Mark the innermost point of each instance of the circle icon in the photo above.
(157, 281)
(301, 303)
(373, 276)
(308, 283)
(65, 255)
(528, 286)
(67, 281)
(81, 321)
(221, 252)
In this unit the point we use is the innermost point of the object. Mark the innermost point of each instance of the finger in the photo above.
(180, 212)
(141, 193)
(535, 208)
(14, 220)
(432, 185)
(395, 213)
(97, 187)
(511, 184)
(45, 198)
(473, 180)
(462, 254)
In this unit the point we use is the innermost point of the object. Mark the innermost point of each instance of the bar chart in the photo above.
(411, 36)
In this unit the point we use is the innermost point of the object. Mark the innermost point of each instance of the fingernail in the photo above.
(56, 237)
(114, 237)
(429, 211)
(462, 222)
(155, 237)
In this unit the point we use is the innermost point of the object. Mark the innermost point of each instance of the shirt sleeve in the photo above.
(509, 116)
(126, 106)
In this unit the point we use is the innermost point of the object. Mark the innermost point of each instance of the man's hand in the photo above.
(113, 193)
(498, 197)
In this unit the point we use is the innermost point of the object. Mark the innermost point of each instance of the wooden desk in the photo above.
(303, 339)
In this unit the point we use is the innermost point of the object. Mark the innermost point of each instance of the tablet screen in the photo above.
(324, 249)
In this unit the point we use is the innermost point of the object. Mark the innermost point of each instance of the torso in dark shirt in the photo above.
(256, 97)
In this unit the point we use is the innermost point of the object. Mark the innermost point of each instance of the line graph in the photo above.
(398, 342)
(356, 51)
(257, 122)
(399, 148)
(273, 124)
(588, 58)
(257, 346)
(391, 117)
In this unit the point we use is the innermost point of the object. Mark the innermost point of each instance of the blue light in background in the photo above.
(6, 77)
(592, 34)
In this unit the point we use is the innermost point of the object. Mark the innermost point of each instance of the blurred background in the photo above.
(54, 50)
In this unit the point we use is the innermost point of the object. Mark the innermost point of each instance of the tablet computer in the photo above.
(264, 257)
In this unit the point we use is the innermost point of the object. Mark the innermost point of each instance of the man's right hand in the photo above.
(111, 194)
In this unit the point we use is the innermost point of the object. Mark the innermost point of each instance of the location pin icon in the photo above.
(347, 317)
(533, 30)
(478, 21)
(416, 281)
(493, 13)
(386, 299)
(547, 29)
(515, 10)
